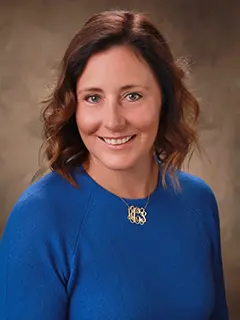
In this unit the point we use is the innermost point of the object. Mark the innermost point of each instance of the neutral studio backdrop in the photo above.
(33, 37)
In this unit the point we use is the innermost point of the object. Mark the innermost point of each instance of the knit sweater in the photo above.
(71, 253)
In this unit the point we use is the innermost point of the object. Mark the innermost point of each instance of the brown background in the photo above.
(33, 37)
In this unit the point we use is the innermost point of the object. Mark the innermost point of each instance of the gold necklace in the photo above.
(136, 214)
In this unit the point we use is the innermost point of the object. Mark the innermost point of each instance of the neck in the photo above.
(133, 183)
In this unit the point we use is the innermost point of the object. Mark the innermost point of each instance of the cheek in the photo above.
(147, 122)
(87, 122)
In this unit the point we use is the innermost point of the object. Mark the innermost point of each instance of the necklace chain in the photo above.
(136, 214)
(129, 205)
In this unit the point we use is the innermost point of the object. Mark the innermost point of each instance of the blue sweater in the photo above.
(71, 253)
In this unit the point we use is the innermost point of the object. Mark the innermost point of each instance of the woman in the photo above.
(116, 230)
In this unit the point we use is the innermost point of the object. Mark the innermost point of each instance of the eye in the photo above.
(92, 99)
(133, 96)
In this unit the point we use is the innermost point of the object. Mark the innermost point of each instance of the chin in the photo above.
(118, 163)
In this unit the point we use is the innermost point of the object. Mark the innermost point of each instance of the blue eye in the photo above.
(133, 96)
(92, 99)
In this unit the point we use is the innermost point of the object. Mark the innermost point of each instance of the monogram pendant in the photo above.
(137, 215)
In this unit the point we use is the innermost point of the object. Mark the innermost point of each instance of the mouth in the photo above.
(118, 141)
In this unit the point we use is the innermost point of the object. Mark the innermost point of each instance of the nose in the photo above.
(114, 119)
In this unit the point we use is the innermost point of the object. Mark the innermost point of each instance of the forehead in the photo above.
(116, 66)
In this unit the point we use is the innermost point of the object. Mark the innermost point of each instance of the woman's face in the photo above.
(119, 102)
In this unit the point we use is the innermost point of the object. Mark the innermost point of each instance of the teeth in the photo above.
(117, 141)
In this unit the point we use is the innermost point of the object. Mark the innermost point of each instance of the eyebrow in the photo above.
(126, 87)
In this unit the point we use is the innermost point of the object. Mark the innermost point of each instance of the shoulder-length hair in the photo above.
(176, 137)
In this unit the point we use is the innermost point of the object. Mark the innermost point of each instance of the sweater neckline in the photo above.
(105, 192)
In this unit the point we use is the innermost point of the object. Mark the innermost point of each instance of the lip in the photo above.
(118, 146)
(120, 137)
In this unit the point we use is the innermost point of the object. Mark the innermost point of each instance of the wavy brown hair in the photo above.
(176, 137)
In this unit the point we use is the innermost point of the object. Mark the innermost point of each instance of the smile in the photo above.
(119, 141)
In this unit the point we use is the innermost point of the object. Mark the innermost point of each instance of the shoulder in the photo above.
(192, 182)
(48, 188)
(199, 200)
(52, 192)
(44, 225)
(43, 228)
(49, 207)
(196, 196)
(196, 191)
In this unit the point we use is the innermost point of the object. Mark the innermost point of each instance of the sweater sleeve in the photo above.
(32, 270)
(220, 311)
(201, 197)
